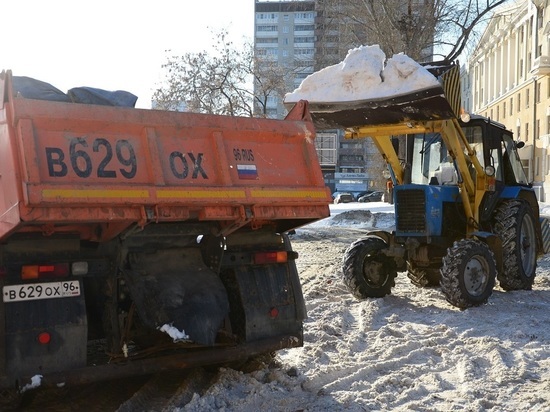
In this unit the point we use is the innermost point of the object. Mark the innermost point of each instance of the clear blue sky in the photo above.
(112, 44)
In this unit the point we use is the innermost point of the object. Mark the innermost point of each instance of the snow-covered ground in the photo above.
(410, 351)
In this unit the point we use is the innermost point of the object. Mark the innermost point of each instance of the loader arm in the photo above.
(381, 136)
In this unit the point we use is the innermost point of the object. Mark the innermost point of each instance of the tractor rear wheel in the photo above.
(368, 273)
(514, 223)
(468, 273)
(423, 277)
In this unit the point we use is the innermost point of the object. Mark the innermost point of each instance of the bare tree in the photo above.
(419, 28)
(221, 82)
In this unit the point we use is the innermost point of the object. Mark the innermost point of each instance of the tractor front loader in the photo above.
(465, 212)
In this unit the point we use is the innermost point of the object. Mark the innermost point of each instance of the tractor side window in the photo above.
(513, 169)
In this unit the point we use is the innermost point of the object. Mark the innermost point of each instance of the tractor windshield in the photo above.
(431, 163)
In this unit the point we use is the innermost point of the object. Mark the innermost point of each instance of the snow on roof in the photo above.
(364, 75)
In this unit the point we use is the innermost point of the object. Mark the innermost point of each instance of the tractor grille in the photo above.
(410, 210)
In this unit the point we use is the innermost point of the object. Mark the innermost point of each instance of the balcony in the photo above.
(541, 66)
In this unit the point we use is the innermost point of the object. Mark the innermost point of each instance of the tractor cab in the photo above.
(431, 163)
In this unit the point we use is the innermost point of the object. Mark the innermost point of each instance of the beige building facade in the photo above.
(507, 78)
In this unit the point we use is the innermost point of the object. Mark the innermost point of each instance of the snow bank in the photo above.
(364, 75)
(410, 351)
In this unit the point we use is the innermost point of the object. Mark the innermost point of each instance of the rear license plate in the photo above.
(36, 291)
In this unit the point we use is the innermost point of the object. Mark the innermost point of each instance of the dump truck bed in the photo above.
(97, 170)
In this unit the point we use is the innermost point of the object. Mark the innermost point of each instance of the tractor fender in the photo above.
(394, 249)
(545, 232)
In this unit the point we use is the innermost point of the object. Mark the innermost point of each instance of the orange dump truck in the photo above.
(158, 237)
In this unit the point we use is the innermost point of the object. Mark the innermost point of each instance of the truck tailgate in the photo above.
(66, 163)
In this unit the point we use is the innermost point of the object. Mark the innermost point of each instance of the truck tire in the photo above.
(423, 277)
(468, 273)
(368, 273)
(514, 223)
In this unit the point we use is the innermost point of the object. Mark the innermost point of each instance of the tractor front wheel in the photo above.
(368, 272)
(468, 273)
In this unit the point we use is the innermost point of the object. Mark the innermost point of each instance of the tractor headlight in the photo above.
(490, 170)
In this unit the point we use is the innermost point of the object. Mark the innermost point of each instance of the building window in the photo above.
(265, 16)
(304, 39)
(527, 96)
(267, 40)
(526, 132)
(350, 145)
(519, 102)
(504, 110)
(537, 130)
(304, 27)
(267, 28)
(304, 52)
(521, 68)
(511, 106)
(538, 92)
(351, 158)
(286, 17)
(285, 29)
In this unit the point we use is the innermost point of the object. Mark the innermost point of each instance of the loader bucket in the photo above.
(435, 103)
(429, 104)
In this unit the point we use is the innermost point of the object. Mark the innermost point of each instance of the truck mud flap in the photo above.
(175, 287)
(265, 301)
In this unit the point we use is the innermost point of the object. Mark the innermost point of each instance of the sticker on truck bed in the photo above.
(36, 291)
(247, 172)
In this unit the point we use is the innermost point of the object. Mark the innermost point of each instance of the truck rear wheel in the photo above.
(468, 273)
(368, 273)
(514, 223)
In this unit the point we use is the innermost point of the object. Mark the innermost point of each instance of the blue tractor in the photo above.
(465, 212)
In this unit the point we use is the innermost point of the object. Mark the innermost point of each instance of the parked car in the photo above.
(357, 195)
(372, 197)
(343, 198)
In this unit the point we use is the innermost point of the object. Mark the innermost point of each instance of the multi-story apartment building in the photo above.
(507, 78)
(300, 37)
(284, 32)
